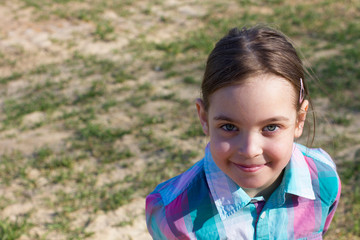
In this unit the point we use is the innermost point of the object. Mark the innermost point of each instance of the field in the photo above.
(97, 104)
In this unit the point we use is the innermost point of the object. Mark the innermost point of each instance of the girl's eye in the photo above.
(228, 127)
(271, 128)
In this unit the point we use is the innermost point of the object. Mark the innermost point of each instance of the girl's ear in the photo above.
(301, 118)
(202, 116)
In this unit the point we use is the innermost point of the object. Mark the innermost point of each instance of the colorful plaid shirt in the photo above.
(204, 203)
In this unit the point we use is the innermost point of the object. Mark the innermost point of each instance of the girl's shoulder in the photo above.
(174, 187)
(173, 200)
(325, 179)
(319, 155)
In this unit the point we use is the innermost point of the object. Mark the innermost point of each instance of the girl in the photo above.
(254, 182)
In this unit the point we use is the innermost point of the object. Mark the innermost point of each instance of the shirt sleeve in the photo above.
(332, 208)
(156, 219)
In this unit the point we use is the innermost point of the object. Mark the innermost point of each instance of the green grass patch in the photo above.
(43, 101)
(109, 104)
(85, 66)
(60, 176)
(147, 119)
(41, 155)
(12, 230)
(99, 140)
(190, 80)
(124, 223)
(120, 76)
(62, 223)
(97, 89)
(136, 100)
(350, 170)
(149, 141)
(194, 130)
(167, 96)
(176, 162)
(101, 133)
(338, 79)
(107, 197)
(92, 64)
(60, 162)
(104, 31)
(344, 120)
(12, 77)
(12, 167)
(113, 200)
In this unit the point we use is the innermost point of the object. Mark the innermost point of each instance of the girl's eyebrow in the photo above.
(272, 119)
(223, 118)
(276, 119)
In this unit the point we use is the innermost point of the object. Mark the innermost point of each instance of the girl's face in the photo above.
(252, 127)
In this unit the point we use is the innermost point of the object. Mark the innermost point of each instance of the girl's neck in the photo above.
(266, 193)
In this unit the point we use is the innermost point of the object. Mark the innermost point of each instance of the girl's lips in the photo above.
(249, 168)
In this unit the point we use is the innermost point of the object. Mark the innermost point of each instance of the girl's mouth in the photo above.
(249, 168)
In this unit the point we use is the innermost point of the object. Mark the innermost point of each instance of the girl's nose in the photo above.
(249, 146)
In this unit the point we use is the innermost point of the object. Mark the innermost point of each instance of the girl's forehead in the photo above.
(261, 85)
(264, 79)
(263, 95)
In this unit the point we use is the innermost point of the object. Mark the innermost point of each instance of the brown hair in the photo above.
(242, 53)
(257, 50)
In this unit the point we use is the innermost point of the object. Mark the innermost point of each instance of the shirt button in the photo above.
(263, 215)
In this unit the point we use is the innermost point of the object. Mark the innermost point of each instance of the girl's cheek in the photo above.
(220, 146)
(279, 149)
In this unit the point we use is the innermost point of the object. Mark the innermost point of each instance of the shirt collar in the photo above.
(230, 198)
(227, 195)
(297, 179)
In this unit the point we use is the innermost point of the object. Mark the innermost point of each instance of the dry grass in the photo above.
(97, 105)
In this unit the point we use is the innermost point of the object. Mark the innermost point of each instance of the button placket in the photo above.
(262, 227)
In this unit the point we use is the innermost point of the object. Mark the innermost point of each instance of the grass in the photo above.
(9, 170)
(349, 171)
(341, 120)
(147, 119)
(13, 76)
(15, 109)
(114, 200)
(129, 114)
(195, 130)
(120, 76)
(105, 31)
(97, 89)
(99, 141)
(12, 230)
(190, 80)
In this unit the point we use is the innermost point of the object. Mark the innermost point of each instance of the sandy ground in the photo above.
(31, 43)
